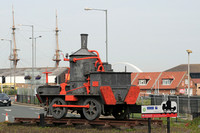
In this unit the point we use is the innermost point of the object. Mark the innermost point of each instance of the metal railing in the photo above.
(27, 99)
(185, 105)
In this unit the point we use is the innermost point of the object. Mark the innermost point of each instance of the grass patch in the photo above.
(194, 125)
(146, 101)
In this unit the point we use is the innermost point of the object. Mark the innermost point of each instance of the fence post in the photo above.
(178, 105)
(149, 125)
(22, 98)
(29, 100)
(33, 99)
(26, 98)
(188, 105)
(142, 100)
(42, 124)
(168, 124)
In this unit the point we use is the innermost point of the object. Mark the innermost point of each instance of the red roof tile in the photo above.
(177, 77)
(144, 77)
(153, 76)
(196, 81)
(168, 77)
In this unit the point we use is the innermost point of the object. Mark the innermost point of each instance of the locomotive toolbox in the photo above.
(93, 89)
(118, 81)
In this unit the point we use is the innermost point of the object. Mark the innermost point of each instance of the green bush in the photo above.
(143, 102)
(195, 122)
(9, 91)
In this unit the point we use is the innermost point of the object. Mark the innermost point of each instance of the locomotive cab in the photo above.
(93, 90)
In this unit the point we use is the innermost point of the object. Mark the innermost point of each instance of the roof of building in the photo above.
(194, 68)
(176, 78)
(21, 71)
(154, 79)
(196, 81)
(135, 77)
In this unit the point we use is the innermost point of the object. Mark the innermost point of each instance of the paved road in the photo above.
(26, 111)
(19, 111)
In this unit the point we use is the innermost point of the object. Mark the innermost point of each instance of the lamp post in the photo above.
(10, 57)
(189, 51)
(35, 47)
(87, 9)
(32, 79)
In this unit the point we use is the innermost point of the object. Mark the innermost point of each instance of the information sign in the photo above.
(166, 109)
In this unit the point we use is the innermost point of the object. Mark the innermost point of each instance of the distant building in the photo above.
(194, 73)
(171, 83)
(23, 76)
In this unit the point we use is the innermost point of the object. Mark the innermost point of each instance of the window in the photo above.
(195, 75)
(167, 81)
(189, 92)
(186, 81)
(143, 81)
(172, 91)
(148, 91)
(156, 91)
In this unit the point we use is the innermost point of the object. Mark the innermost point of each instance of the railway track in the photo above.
(49, 121)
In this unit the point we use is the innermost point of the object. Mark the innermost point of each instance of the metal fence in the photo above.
(27, 99)
(27, 95)
(185, 105)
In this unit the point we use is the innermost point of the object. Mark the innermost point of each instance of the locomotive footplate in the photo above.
(72, 106)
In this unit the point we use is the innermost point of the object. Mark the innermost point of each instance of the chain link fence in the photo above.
(27, 95)
(185, 105)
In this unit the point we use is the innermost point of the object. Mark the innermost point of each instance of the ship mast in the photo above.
(57, 55)
(14, 57)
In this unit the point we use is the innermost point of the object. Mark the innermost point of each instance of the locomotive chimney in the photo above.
(84, 41)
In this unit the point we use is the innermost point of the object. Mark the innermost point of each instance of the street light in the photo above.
(32, 79)
(10, 57)
(35, 47)
(87, 9)
(189, 51)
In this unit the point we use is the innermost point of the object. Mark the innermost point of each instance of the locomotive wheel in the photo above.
(58, 112)
(120, 112)
(94, 111)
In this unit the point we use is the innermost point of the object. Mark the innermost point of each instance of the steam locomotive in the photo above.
(93, 89)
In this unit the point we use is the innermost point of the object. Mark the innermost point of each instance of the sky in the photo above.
(150, 34)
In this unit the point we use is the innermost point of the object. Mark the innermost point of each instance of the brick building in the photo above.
(194, 73)
(172, 83)
(21, 74)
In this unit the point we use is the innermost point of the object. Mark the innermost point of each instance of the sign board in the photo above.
(166, 109)
(182, 91)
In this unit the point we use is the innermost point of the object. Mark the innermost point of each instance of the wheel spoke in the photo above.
(93, 111)
(87, 111)
(58, 112)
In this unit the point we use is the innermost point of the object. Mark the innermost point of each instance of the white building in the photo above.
(21, 73)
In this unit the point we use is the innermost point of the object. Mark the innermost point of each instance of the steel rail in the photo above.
(77, 121)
